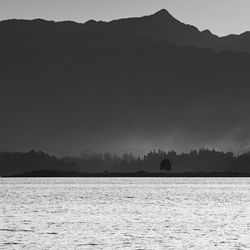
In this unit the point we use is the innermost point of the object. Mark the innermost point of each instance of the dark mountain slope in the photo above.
(95, 94)
(158, 27)
(116, 86)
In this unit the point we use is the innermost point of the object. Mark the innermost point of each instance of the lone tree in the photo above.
(166, 165)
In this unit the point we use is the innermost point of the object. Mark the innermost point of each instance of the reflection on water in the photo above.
(125, 213)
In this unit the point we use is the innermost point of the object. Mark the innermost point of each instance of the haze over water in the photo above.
(125, 213)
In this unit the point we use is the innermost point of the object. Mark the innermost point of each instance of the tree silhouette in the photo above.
(166, 165)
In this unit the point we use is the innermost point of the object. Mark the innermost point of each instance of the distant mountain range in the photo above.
(161, 26)
(67, 86)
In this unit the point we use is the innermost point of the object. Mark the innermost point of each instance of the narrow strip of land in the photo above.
(47, 173)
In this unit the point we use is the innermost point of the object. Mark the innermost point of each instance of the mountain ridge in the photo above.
(160, 26)
(66, 87)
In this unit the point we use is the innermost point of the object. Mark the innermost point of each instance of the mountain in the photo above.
(129, 84)
(161, 26)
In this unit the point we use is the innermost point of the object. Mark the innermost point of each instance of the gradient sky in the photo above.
(220, 16)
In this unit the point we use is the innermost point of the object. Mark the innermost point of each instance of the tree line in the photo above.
(203, 160)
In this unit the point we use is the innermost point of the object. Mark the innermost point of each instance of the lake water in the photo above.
(125, 213)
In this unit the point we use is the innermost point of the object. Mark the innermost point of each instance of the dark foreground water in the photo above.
(125, 213)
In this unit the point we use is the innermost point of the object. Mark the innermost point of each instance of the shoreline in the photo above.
(49, 174)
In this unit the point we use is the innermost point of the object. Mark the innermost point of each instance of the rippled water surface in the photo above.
(125, 213)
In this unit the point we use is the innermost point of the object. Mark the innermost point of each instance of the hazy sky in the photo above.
(220, 16)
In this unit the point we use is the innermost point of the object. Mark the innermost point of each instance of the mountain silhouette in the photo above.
(67, 86)
(161, 26)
